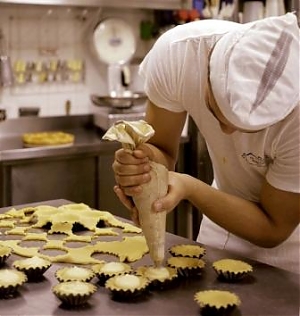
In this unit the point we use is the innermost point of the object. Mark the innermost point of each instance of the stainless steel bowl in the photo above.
(137, 98)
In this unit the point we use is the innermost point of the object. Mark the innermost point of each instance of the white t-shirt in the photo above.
(175, 74)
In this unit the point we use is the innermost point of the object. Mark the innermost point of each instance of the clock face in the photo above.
(114, 41)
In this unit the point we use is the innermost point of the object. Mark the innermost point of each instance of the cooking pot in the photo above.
(124, 102)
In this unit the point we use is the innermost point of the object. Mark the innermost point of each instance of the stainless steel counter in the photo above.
(268, 292)
(87, 137)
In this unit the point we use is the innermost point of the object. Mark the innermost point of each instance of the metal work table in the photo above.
(269, 291)
(87, 137)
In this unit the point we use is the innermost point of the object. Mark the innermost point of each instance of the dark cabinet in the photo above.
(46, 179)
(107, 200)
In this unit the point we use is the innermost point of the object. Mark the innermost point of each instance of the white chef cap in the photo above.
(254, 72)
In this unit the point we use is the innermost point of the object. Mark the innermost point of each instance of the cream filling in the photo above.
(112, 267)
(8, 277)
(157, 273)
(33, 262)
(127, 281)
(76, 272)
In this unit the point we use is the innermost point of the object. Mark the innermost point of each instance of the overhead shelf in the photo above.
(138, 4)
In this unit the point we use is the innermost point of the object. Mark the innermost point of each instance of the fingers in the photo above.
(134, 214)
(127, 157)
(173, 197)
(131, 172)
(128, 203)
(123, 198)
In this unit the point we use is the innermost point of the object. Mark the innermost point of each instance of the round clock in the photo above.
(114, 41)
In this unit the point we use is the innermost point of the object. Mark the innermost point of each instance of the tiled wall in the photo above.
(42, 33)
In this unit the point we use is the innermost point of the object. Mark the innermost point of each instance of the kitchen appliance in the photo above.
(114, 44)
(105, 117)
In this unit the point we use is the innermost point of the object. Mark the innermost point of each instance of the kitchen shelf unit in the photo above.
(138, 4)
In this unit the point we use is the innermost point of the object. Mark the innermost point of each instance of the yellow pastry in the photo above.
(160, 277)
(231, 269)
(5, 252)
(186, 267)
(74, 293)
(33, 267)
(74, 273)
(190, 251)
(127, 286)
(216, 302)
(10, 281)
(106, 270)
(47, 138)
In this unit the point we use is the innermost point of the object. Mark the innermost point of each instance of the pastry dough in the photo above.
(47, 139)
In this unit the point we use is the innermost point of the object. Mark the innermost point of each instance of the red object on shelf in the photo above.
(194, 15)
(183, 15)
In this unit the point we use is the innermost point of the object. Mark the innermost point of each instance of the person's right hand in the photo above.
(132, 169)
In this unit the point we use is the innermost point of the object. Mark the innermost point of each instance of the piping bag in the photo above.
(131, 134)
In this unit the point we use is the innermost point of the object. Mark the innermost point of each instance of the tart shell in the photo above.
(231, 270)
(123, 292)
(5, 252)
(190, 251)
(34, 267)
(10, 281)
(186, 267)
(216, 302)
(74, 293)
(106, 270)
(158, 283)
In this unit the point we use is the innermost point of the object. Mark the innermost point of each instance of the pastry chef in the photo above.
(240, 85)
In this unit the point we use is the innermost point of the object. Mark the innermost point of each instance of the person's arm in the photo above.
(266, 224)
(168, 128)
(132, 169)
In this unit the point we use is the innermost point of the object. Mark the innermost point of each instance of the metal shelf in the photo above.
(139, 4)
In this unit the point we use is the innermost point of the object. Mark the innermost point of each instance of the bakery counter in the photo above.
(267, 291)
(87, 137)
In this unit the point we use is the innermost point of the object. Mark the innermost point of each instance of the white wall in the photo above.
(32, 30)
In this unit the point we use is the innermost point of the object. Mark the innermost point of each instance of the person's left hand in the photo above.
(176, 192)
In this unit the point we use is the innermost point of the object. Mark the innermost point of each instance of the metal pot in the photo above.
(136, 98)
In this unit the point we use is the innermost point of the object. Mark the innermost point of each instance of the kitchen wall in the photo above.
(42, 33)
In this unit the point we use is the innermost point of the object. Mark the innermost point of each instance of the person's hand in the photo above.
(128, 203)
(177, 191)
(131, 169)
